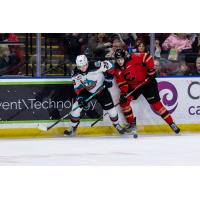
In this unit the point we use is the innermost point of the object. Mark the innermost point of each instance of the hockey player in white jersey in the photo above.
(87, 79)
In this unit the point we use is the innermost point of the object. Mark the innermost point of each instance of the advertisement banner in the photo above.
(44, 101)
(180, 96)
(25, 103)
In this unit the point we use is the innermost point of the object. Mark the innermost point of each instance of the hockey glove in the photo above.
(122, 98)
(81, 102)
(108, 84)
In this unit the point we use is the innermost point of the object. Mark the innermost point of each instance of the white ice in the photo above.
(146, 150)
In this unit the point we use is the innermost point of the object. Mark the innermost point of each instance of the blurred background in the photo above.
(54, 54)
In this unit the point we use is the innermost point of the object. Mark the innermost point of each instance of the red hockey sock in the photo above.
(161, 110)
(128, 113)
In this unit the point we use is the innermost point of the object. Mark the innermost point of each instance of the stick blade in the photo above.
(42, 127)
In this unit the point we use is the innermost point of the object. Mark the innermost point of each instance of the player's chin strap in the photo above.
(65, 116)
(140, 85)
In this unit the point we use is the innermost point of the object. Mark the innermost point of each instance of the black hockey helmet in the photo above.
(120, 53)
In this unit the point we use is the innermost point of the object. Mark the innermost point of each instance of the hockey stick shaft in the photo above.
(130, 93)
(87, 100)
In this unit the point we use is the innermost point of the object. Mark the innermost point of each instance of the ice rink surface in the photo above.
(123, 150)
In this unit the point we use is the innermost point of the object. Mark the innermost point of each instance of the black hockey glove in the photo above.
(122, 98)
(81, 102)
(108, 84)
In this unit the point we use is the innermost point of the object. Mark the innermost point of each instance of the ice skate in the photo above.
(120, 129)
(70, 132)
(175, 128)
(131, 128)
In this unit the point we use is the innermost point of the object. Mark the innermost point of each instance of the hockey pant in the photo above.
(105, 100)
(151, 94)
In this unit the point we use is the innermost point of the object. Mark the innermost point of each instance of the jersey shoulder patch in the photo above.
(97, 64)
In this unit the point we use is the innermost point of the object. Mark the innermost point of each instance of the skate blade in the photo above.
(69, 136)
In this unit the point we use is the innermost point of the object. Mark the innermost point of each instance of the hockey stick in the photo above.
(22, 110)
(90, 113)
(42, 127)
(140, 85)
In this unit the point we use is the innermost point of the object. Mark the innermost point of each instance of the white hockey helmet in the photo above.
(81, 60)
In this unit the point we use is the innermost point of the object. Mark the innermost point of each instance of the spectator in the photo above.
(159, 69)
(176, 44)
(191, 56)
(116, 44)
(178, 41)
(184, 70)
(162, 37)
(197, 69)
(157, 49)
(74, 43)
(138, 41)
(141, 47)
(144, 37)
(16, 54)
(100, 45)
(4, 58)
(4, 51)
(12, 57)
(193, 37)
(128, 38)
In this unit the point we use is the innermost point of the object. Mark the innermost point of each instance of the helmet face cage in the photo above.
(81, 61)
(120, 53)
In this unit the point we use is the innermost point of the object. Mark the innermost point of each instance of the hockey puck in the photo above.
(135, 136)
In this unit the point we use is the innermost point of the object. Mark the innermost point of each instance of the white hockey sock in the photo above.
(113, 115)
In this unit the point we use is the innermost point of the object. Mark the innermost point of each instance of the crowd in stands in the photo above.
(176, 54)
(11, 55)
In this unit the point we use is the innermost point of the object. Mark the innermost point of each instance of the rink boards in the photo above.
(26, 103)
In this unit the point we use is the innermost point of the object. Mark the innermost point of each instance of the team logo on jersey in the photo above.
(129, 77)
(168, 95)
(79, 77)
(89, 84)
(105, 64)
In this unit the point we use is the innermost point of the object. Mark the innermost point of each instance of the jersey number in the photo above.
(106, 65)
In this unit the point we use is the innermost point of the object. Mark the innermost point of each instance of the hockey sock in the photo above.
(161, 110)
(128, 113)
(113, 115)
(74, 120)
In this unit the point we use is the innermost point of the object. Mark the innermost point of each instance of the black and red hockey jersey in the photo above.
(135, 70)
